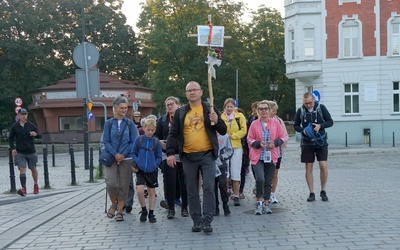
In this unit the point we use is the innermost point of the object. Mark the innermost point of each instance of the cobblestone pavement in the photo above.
(362, 212)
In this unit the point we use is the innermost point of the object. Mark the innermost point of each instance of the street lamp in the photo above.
(273, 88)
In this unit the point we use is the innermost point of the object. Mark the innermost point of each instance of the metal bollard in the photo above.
(46, 169)
(53, 155)
(91, 165)
(73, 177)
(394, 143)
(12, 173)
(345, 139)
(100, 168)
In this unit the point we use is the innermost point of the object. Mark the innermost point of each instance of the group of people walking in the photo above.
(199, 151)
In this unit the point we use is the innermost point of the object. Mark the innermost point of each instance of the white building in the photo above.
(348, 50)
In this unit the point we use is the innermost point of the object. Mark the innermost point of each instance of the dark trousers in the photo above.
(245, 166)
(220, 184)
(264, 173)
(172, 176)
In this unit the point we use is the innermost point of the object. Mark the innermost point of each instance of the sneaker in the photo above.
(236, 201)
(241, 196)
(196, 227)
(206, 227)
(35, 189)
(128, 209)
(323, 196)
(311, 197)
(152, 218)
(178, 202)
(21, 191)
(143, 216)
(171, 214)
(164, 204)
(225, 206)
(266, 209)
(273, 199)
(258, 210)
(216, 212)
(184, 212)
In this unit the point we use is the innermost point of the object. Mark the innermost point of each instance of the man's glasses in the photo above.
(192, 90)
(170, 104)
(308, 103)
(263, 109)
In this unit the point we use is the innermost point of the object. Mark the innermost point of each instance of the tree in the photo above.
(37, 38)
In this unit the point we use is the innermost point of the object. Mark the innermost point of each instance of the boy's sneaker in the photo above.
(311, 197)
(196, 227)
(164, 204)
(22, 191)
(225, 206)
(323, 196)
(273, 199)
(258, 210)
(152, 218)
(184, 212)
(266, 209)
(171, 214)
(206, 227)
(143, 216)
(236, 201)
(36, 189)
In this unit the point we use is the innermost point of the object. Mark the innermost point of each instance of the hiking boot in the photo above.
(323, 196)
(152, 218)
(266, 209)
(258, 210)
(272, 199)
(184, 212)
(128, 209)
(22, 191)
(236, 201)
(35, 189)
(171, 214)
(143, 216)
(206, 227)
(225, 206)
(196, 227)
(216, 212)
(164, 204)
(311, 197)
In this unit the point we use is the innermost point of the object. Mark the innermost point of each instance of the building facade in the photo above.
(349, 51)
(59, 113)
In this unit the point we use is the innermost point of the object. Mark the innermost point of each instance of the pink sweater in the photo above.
(255, 134)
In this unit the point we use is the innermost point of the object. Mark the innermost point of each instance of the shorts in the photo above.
(148, 179)
(22, 160)
(308, 153)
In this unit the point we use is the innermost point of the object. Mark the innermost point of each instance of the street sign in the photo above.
(18, 101)
(92, 55)
(90, 105)
(317, 95)
(90, 115)
(16, 118)
(94, 83)
(16, 109)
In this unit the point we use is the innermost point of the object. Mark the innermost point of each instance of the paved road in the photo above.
(363, 213)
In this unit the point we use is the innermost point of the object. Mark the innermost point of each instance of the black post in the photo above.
(394, 144)
(91, 165)
(85, 135)
(73, 178)
(345, 139)
(100, 168)
(46, 169)
(12, 173)
(53, 156)
(369, 139)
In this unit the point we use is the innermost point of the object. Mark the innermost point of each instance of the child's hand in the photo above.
(135, 169)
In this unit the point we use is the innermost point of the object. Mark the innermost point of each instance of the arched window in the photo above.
(394, 36)
(350, 42)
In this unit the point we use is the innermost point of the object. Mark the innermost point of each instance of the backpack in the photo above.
(318, 110)
(101, 143)
(243, 140)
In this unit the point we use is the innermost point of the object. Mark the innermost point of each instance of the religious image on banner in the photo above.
(203, 33)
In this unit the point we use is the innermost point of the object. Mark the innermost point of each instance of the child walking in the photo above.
(147, 154)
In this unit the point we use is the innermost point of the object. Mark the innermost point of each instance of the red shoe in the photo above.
(36, 189)
(22, 191)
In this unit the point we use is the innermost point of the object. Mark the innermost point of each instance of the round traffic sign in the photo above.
(17, 108)
(18, 101)
(92, 55)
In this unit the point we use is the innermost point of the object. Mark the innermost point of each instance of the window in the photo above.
(394, 37)
(308, 43)
(341, 2)
(71, 123)
(351, 98)
(292, 45)
(99, 123)
(350, 39)
(396, 94)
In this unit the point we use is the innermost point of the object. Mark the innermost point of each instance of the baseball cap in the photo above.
(137, 113)
(22, 111)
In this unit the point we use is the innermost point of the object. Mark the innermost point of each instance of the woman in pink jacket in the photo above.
(264, 138)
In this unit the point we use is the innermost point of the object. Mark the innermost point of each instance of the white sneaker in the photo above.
(259, 209)
(272, 199)
(266, 209)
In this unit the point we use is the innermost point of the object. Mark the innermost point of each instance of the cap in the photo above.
(22, 111)
(136, 113)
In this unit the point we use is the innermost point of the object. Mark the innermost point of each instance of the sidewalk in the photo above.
(362, 212)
